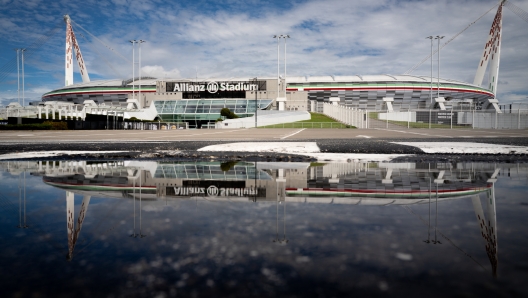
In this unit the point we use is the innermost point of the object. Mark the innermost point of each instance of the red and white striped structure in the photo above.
(71, 44)
(491, 53)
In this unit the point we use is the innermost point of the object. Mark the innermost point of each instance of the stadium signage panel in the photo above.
(213, 87)
(214, 191)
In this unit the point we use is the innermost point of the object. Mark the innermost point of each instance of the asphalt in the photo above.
(182, 145)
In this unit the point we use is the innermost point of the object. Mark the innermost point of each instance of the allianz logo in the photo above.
(213, 191)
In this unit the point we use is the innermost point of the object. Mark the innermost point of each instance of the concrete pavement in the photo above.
(251, 134)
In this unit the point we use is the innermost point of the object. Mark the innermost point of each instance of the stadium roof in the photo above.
(291, 79)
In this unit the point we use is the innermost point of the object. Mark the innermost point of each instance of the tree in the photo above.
(226, 112)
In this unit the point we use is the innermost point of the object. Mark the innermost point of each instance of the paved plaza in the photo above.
(252, 134)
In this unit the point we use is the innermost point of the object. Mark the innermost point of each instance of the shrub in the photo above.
(47, 125)
(226, 112)
(25, 127)
(56, 125)
(226, 166)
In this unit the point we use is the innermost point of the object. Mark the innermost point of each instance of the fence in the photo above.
(308, 125)
(346, 115)
(151, 125)
(450, 119)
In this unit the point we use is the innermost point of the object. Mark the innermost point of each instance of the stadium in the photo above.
(199, 101)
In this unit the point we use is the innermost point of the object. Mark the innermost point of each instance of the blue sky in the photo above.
(231, 38)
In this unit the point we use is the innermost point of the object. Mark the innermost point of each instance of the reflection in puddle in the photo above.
(276, 185)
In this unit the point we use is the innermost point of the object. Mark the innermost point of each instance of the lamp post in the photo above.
(256, 101)
(23, 85)
(436, 215)
(139, 66)
(278, 66)
(438, 37)
(285, 37)
(133, 42)
(18, 75)
(431, 87)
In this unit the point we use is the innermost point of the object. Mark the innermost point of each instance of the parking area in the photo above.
(251, 134)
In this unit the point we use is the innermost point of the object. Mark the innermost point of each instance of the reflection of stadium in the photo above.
(279, 183)
(350, 183)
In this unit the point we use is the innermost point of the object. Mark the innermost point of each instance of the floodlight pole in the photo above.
(285, 37)
(133, 42)
(431, 86)
(438, 37)
(23, 85)
(278, 66)
(256, 101)
(18, 75)
(139, 66)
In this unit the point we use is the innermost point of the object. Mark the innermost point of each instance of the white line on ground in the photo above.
(292, 134)
(362, 136)
(466, 147)
(280, 147)
(216, 132)
(414, 133)
(302, 148)
(48, 154)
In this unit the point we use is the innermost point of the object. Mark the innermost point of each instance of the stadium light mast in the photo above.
(256, 102)
(278, 66)
(139, 67)
(438, 37)
(133, 42)
(431, 86)
(285, 37)
(23, 85)
(18, 75)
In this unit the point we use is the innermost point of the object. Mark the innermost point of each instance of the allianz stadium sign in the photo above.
(212, 87)
(214, 191)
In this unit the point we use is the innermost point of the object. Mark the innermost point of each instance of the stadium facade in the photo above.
(200, 100)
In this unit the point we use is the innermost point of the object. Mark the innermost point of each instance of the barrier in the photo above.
(433, 118)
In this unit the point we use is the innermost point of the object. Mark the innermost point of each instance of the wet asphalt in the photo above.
(186, 150)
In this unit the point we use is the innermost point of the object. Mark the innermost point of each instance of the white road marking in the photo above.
(301, 148)
(415, 133)
(49, 153)
(362, 136)
(292, 134)
(466, 147)
(282, 147)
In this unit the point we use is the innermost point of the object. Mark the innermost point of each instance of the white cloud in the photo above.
(159, 72)
(224, 39)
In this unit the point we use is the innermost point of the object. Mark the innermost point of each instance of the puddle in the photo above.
(147, 228)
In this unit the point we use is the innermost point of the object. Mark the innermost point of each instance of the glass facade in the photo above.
(210, 171)
(206, 110)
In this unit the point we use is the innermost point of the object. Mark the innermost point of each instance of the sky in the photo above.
(232, 38)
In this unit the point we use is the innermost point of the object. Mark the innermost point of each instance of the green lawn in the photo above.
(316, 117)
(317, 121)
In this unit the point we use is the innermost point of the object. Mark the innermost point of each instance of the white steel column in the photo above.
(278, 66)
(18, 75)
(23, 86)
(133, 42)
(438, 37)
(285, 37)
(139, 67)
(431, 87)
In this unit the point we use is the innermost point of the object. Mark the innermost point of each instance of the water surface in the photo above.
(160, 229)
